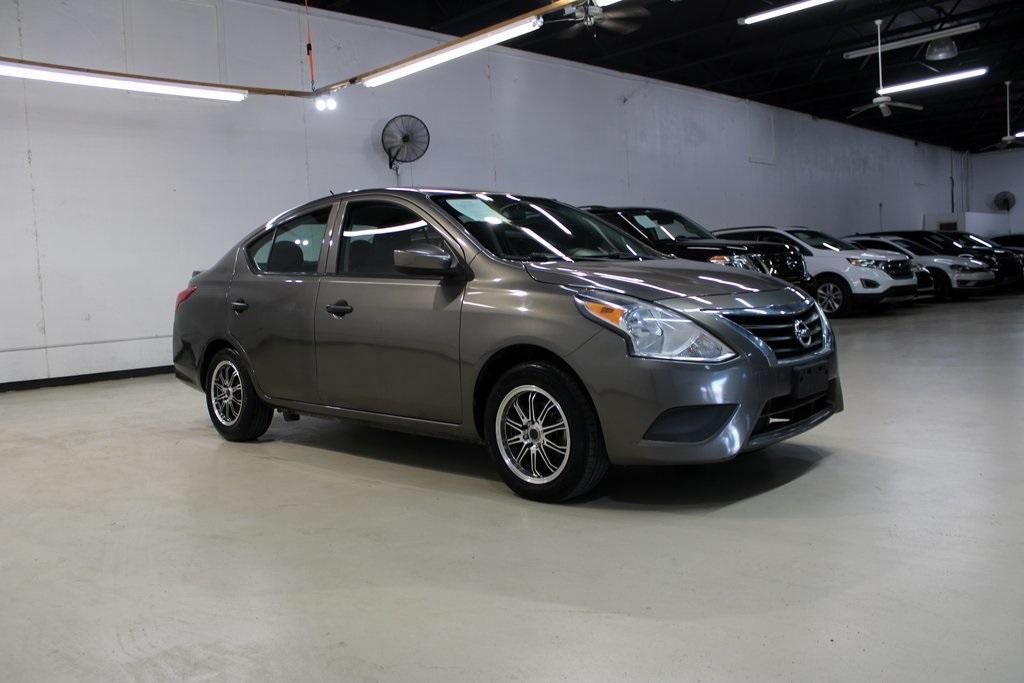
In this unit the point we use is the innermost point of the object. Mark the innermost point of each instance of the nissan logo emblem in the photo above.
(802, 333)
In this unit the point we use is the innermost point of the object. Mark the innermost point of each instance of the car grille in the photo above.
(789, 267)
(778, 330)
(898, 269)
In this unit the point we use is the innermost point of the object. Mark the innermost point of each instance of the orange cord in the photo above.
(309, 49)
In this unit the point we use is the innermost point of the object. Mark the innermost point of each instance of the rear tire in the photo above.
(237, 412)
(543, 433)
(833, 295)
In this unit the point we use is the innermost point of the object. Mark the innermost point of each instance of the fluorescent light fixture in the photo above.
(937, 80)
(156, 87)
(916, 40)
(455, 51)
(1020, 134)
(782, 11)
(605, 3)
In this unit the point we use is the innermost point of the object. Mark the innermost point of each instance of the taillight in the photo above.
(183, 295)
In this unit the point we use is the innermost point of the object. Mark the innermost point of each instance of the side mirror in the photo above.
(425, 259)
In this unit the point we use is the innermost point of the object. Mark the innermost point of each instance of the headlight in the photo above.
(964, 269)
(652, 331)
(734, 260)
(864, 262)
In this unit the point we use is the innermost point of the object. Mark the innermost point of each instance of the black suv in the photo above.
(1008, 269)
(672, 233)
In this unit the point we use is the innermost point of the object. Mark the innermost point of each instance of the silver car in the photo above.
(560, 341)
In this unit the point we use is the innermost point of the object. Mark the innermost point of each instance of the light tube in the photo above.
(916, 40)
(781, 11)
(455, 51)
(929, 82)
(605, 3)
(42, 73)
(1020, 134)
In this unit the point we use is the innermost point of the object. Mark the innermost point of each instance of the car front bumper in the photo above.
(892, 295)
(977, 281)
(671, 412)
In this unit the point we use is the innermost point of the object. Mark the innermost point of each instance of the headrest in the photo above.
(286, 257)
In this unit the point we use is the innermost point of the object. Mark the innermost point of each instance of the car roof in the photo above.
(597, 207)
(424, 191)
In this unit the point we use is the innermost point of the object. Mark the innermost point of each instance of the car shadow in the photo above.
(361, 441)
(705, 487)
(684, 487)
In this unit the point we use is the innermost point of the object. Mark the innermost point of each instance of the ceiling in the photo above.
(795, 62)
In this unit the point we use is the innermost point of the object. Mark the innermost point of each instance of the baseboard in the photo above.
(82, 379)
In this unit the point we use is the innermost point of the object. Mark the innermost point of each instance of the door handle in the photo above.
(239, 306)
(339, 309)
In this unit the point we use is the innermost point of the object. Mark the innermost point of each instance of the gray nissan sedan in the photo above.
(560, 341)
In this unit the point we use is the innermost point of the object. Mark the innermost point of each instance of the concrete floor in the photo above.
(887, 544)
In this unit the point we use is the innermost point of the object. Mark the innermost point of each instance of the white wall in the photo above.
(994, 172)
(109, 200)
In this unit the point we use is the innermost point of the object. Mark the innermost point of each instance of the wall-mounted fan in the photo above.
(1009, 139)
(883, 103)
(1004, 201)
(405, 138)
(589, 16)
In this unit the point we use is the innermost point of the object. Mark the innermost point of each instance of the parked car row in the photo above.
(859, 271)
(565, 339)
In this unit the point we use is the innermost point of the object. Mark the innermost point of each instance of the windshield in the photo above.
(978, 242)
(913, 247)
(533, 229)
(941, 241)
(820, 240)
(665, 225)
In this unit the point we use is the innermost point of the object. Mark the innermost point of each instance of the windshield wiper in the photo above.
(536, 256)
(604, 257)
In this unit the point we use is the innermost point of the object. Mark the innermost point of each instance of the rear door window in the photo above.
(293, 246)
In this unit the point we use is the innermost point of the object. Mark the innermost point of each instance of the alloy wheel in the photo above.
(226, 392)
(830, 297)
(533, 434)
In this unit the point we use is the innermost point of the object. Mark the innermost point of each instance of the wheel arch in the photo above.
(212, 349)
(507, 358)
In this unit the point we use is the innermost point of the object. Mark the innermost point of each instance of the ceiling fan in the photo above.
(883, 103)
(1009, 139)
(591, 15)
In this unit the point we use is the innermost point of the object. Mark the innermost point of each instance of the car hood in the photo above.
(655, 279)
(712, 247)
(873, 255)
(965, 261)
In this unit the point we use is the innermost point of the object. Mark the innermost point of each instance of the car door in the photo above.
(271, 302)
(388, 342)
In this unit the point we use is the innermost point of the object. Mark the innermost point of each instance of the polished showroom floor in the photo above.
(887, 544)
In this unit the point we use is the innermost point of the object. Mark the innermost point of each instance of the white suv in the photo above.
(845, 277)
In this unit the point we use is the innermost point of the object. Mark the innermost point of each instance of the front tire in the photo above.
(833, 295)
(943, 285)
(235, 409)
(543, 433)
